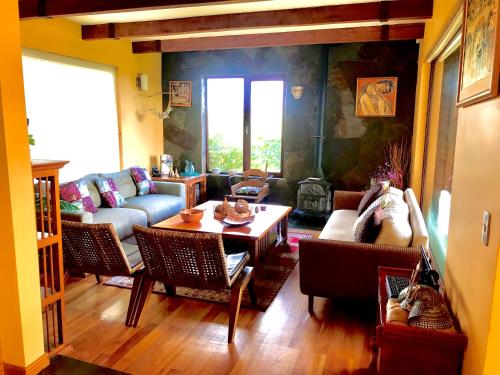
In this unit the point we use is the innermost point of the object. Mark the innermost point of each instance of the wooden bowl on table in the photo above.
(191, 215)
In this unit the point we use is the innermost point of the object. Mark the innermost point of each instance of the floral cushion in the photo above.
(143, 181)
(109, 192)
(77, 193)
(248, 190)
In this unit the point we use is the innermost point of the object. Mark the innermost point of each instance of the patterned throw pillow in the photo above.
(368, 227)
(143, 181)
(77, 193)
(370, 196)
(109, 192)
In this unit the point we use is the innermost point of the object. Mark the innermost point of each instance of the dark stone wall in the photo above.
(353, 146)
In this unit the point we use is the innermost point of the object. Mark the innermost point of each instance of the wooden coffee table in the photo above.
(254, 237)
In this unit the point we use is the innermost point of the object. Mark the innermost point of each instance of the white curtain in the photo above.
(71, 107)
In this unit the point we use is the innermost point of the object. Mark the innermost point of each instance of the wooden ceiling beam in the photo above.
(59, 8)
(375, 11)
(328, 36)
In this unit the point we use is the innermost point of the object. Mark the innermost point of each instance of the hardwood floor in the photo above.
(184, 336)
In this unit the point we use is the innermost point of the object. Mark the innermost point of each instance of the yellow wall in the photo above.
(141, 132)
(21, 332)
(471, 268)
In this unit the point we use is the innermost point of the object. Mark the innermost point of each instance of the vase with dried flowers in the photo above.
(396, 166)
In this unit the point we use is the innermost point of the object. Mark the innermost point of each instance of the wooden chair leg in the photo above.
(98, 278)
(144, 293)
(251, 292)
(311, 304)
(170, 290)
(134, 296)
(234, 311)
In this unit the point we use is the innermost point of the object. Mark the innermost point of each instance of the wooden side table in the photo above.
(190, 182)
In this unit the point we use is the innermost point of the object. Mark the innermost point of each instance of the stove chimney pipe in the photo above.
(320, 127)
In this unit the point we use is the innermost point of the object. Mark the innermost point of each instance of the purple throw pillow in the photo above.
(109, 192)
(77, 193)
(143, 181)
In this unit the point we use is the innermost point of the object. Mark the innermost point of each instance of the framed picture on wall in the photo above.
(376, 96)
(180, 92)
(480, 55)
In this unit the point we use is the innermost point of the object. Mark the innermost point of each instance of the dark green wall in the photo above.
(353, 146)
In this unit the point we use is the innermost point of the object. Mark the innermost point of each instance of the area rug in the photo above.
(270, 276)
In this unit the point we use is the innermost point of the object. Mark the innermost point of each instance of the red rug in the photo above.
(272, 273)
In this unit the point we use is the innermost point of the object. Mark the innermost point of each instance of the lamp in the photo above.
(297, 92)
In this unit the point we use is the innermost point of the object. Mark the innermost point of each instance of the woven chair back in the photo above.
(193, 260)
(94, 248)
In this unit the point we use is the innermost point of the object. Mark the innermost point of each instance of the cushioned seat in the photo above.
(133, 254)
(235, 262)
(157, 207)
(123, 219)
(339, 226)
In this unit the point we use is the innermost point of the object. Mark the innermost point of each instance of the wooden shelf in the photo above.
(49, 243)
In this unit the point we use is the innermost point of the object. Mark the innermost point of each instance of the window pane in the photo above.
(266, 116)
(225, 123)
(71, 105)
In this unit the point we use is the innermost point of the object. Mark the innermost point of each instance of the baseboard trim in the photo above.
(32, 369)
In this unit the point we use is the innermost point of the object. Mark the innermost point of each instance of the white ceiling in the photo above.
(223, 7)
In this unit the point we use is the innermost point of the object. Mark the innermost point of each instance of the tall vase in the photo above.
(189, 168)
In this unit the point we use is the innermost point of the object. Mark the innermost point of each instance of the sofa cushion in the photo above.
(133, 254)
(339, 226)
(124, 183)
(395, 229)
(367, 229)
(143, 181)
(94, 193)
(417, 222)
(77, 193)
(109, 192)
(370, 196)
(158, 207)
(122, 219)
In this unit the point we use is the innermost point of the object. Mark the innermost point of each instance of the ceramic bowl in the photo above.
(191, 215)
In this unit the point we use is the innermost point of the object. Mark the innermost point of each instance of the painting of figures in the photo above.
(376, 97)
(479, 74)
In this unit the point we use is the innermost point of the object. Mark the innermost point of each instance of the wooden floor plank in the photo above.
(184, 336)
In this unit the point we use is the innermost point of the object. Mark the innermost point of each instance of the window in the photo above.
(245, 123)
(440, 151)
(71, 105)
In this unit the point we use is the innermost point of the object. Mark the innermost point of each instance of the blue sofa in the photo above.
(144, 210)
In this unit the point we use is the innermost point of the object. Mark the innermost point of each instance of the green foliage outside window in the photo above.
(229, 158)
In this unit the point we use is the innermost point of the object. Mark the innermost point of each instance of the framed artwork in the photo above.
(376, 96)
(480, 57)
(180, 93)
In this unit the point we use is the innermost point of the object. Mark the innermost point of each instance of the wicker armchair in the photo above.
(193, 260)
(96, 248)
(255, 179)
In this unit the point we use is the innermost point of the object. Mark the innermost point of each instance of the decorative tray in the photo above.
(238, 223)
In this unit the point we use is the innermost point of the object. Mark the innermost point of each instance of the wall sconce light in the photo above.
(142, 82)
(297, 92)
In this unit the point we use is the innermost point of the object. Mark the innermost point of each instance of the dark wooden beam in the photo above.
(375, 11)
(328, 36)
(59, 8)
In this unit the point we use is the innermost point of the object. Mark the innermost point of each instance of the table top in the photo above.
(180, 179)
(263, 222)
